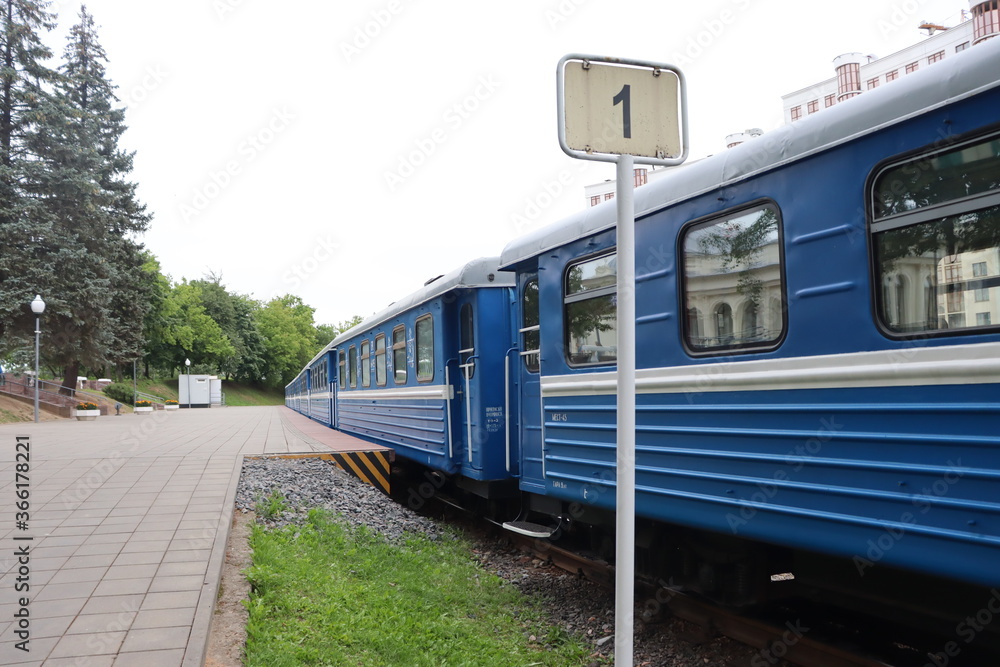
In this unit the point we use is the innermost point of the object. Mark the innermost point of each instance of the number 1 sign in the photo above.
(612, 106)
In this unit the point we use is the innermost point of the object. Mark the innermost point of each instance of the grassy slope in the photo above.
(236, 394)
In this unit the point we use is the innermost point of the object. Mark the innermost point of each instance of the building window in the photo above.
(912, 67)
(891, 76)
(529, 326)
(848, 80)
(425, 348)
(982, 294)
(937, 215)
(595, 200)
(352, 366)
(934, 57)
(733, 264)
(961, 47)
(380, 364)
(813, 106)
(591, 289)
(640, 177)
(872, 83)
(610, 195)
(830, 100)
(985, 20)
(342, 364)
(796, 113)
(366, 364)
(399, 354)
(983, 319)
(979, 269)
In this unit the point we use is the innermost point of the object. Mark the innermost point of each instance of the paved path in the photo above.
(128, 519)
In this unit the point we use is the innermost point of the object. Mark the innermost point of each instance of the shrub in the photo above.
(119, 392)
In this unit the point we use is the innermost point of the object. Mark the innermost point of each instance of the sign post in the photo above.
(623, 111)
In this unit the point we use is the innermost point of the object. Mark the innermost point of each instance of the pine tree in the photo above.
(25, 110)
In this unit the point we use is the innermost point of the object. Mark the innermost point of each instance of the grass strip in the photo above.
(324, 593)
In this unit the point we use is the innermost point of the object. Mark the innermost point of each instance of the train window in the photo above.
(342, 363)
(529, 326)
(591, 334)
(467, 342)
(733, 287)
(936, 239)
(399, 354)
(425, 348)
(352, 367)
(380, 368)
(366, 368)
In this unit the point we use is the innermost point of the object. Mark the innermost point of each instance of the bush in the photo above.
(119, 392)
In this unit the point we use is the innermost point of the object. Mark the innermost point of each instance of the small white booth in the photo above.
(199, 391)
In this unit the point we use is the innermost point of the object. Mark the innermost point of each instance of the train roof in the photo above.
(962, 75)
(480, 272)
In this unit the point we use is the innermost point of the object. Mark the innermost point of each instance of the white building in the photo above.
(855, 72)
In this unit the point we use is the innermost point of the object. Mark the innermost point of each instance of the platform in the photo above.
(126, 529)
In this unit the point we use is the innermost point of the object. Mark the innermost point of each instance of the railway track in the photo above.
(794, 630)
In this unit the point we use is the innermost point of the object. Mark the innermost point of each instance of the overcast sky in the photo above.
(348, 151)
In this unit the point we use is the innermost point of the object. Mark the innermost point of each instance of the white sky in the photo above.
(265, 131)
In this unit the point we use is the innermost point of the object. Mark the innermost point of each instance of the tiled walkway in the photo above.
(128, 519)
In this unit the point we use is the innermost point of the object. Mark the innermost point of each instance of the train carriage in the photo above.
(426, 375)
(817, 342)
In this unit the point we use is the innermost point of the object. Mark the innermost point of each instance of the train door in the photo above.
(331, 387)
(528, 371)
(466, 390)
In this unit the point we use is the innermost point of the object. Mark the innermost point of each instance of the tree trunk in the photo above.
(68, 387)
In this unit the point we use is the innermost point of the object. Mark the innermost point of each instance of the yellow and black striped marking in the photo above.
(370, 467)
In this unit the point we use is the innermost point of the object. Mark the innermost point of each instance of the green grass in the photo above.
(327, 594)
(236, 394)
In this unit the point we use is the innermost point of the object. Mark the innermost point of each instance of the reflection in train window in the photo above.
(366, 368)
(399, 354)
(936, 232)
(591, 301)
(529, 326)
(380, 363)
(425, 348)
(733, 288)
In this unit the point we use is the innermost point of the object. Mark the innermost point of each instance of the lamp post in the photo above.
(37, 307)
(187, 362)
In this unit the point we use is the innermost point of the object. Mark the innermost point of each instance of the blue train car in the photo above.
(426, 375)
(319, 388)
(296, 392)
(818, 343)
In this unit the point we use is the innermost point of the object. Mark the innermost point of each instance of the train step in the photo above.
(529, 529)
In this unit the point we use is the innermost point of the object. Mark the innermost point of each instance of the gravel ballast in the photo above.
(576, 605)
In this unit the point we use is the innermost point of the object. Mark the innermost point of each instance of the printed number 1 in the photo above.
(623, 98)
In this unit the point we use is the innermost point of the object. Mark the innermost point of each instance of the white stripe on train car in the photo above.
(910, 367)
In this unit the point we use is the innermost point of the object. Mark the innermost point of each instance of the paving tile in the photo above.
(101, 643)
(168, 658)
(122, 587)
(97, 623)
(164, 618)
(78, 574)
(56, 608)
(146, 570)
(81, 589)
(39, 648)
(152, 639)
(194, 567)
(99, 548)
(50, 627)
(179, 583)
(95, 560)
(139, 558)
(172, 600)
(134, 546)
(112, 604)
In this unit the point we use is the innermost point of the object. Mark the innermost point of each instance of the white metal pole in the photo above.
(38, 333)
(625, 521)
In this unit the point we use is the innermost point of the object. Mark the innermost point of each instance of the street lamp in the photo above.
(37, 307)
(187, 362)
